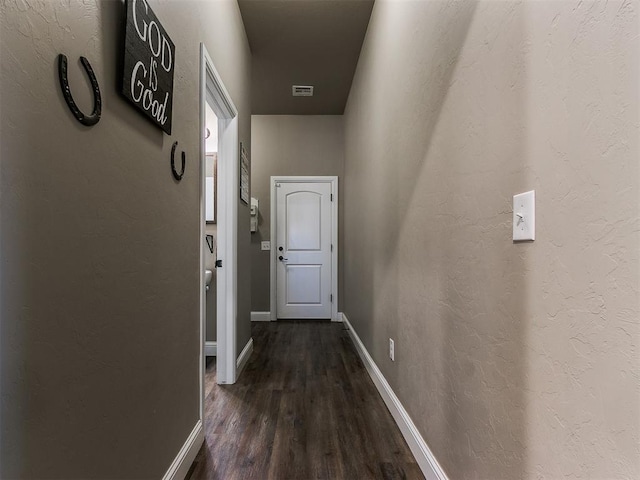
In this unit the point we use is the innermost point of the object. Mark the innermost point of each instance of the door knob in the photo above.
(281, 258)
(280, 248)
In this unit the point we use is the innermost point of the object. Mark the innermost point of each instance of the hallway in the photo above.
(499, 338)
(303, 408)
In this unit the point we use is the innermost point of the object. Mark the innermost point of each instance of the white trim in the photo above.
(226, 286)
(334, 239)
(260, 316)
(210, 349)
(244, 356)
(273, 299)
(334, 242)
(340, 317)
(202, 298)
(421, 451)
(182, 463)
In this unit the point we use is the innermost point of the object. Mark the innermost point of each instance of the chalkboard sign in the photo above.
(149, 62)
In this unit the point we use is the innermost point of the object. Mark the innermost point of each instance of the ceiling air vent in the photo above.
(302, 90)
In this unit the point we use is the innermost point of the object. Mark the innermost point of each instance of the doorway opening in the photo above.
(211, 231)
(218, 203)
(304, 257)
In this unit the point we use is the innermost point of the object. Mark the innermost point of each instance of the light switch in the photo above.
(524, 216)
(265, 245)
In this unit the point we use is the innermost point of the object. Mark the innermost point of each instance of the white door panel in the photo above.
(303, 249)
(304, 284)
(303, 217)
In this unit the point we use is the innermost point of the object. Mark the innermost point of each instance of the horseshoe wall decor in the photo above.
(176, 175)
(87, 120)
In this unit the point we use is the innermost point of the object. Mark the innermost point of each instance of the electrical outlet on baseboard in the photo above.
(392, 350)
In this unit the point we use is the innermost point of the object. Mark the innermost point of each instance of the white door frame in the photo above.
(227, 221)
(334, 238)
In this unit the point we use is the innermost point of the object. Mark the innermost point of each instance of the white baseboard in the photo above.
(210, 349)
(266, 317)
(421, 451)
(187, 454)
(244, 357)
(260, 316)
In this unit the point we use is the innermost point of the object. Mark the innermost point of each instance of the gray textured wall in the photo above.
(514, 360)
(100, 247)
(291, 145)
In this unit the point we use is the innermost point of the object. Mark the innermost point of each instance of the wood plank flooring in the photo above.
(304, 408)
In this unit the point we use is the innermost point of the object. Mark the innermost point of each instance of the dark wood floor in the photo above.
(304, 408)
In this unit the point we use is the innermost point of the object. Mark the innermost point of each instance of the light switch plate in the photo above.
(524, 216)
(265, 245)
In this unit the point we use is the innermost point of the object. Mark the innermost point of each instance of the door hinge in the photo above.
(332, 197)
(331, 297)
(218, 264)
(332, 247)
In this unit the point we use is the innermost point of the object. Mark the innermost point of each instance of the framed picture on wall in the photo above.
(244, 175)
(211, 183)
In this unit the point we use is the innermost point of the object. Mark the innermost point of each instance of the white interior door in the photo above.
(303, 250)
(213, 92)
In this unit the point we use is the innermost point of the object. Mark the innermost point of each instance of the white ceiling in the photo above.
(303, 42)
